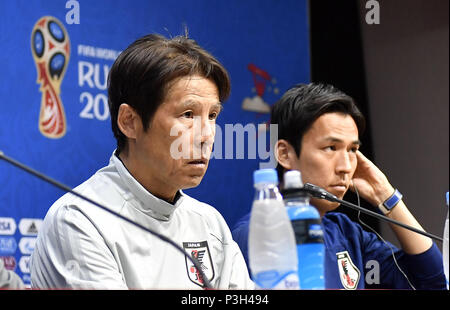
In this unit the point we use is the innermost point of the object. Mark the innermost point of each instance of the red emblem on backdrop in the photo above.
(9, 262)
(260, 80)
(50, 47)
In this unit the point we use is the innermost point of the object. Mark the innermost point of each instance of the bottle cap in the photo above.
(293, 179)
(446, 197)
(265, 176)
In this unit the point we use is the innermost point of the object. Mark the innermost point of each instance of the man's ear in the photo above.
(128, 121)
(285, 154)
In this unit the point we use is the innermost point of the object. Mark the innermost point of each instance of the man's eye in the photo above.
(354, 149)
(213, 115)
(188, 114)
(330, 148)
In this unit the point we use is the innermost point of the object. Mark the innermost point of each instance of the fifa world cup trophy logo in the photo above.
(50, 47)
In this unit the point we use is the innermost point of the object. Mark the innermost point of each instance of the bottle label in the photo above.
(272, 279)
(307, 231)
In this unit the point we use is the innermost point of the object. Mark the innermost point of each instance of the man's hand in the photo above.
(370, 182)
(374, 187)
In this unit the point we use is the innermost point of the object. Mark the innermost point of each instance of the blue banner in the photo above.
(54, 117)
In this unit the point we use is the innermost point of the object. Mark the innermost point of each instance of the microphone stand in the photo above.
(206, 283)
(320, 193)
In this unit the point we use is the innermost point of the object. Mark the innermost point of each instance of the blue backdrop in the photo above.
(264, 45)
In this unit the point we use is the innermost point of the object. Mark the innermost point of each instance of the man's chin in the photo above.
(323, 205)
(192, 181)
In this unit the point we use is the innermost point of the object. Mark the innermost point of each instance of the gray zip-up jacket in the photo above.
(82, 246)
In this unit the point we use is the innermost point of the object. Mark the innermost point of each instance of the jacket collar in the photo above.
(147, 202)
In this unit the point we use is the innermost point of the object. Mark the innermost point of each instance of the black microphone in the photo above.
(206, 283)
(318, 192)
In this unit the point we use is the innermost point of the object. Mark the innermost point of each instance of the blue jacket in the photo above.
(357, 259)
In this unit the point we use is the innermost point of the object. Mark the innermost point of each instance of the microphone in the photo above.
(318, 192)
(206, 283)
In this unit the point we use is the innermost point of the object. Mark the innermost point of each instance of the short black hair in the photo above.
(141, 74)
(302, 104)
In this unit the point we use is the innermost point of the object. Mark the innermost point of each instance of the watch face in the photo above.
(393, 200)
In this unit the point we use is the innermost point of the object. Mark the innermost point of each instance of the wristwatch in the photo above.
(389, 204)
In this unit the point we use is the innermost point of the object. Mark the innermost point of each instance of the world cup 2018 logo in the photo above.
(50, 47)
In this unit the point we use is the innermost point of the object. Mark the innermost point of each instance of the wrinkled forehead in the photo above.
(191, 89)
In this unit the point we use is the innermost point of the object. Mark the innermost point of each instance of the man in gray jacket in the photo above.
(9, 279)
(164, 99)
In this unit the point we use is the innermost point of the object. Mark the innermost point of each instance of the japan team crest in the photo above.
(200, 251)
(348, 272)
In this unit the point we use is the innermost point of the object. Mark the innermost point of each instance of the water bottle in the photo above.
(271, 241)
(308, 232)
(445, 245)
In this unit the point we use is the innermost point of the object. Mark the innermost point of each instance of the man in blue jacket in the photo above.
(318, 131)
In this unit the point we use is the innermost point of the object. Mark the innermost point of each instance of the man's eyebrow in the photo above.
(190, 104)
(218, 106)
(193, 104)
(337, 140)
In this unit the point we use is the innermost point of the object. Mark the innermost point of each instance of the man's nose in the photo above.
(204, 131)
(208, 131)
(344, 163)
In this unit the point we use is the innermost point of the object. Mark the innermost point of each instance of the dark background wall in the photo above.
(397, 71)
(406, 63)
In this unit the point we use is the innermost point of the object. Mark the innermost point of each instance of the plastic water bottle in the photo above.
(308, 232)
(445, 246)
(271, 241)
